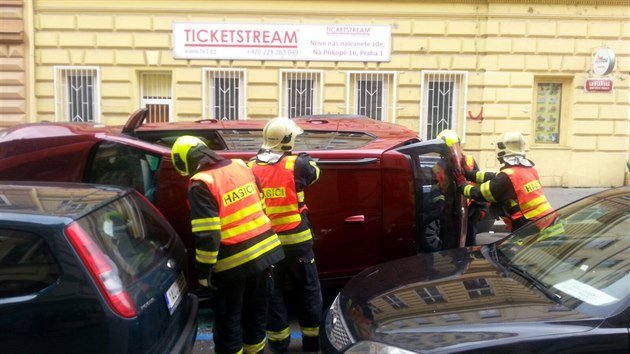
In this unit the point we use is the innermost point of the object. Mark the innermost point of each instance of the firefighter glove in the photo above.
(460, 179)
(206, 281)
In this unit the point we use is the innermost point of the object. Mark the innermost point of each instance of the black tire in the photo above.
(431, 239)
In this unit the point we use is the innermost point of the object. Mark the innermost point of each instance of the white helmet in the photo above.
(279, 135)
(511, 144)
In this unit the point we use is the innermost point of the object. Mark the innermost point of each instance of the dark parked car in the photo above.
(557, 285)
(374, 201)
(90, 269)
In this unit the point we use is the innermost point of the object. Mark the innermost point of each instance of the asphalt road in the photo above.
(558, 197)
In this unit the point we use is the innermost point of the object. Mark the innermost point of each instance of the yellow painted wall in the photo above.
(505, 46)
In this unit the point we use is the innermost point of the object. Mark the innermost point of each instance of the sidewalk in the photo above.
(557, 196)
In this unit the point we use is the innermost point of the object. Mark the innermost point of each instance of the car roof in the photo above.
(53, 199)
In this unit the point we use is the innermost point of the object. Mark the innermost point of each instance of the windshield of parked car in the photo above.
(131, 234)
(580, 252)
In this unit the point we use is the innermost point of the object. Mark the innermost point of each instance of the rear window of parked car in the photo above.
(130, 234)
(26, 263)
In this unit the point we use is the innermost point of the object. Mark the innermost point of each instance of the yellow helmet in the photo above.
(186, 154)
(449, 136)
(279, 134)
(511, 144)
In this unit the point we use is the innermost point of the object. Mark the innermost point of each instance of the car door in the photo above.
(441, 212)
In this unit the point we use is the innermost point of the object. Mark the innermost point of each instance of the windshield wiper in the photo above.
(535, 282)
(490, 253)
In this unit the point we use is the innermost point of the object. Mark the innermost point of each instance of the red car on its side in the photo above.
(375, 200)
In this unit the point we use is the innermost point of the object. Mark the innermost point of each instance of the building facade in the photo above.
(558, 71)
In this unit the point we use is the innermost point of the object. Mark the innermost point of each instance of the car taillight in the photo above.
(101, 270)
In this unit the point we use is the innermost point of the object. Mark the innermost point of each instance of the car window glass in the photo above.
(125, 166)
(582, 250)
(27, 264)
(251, 140)
(131, 234)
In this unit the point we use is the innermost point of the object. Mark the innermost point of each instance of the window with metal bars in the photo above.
(224, 94)
(443, 105)
(300, 92)
(372, 94)
(76, 94)
(156, 95)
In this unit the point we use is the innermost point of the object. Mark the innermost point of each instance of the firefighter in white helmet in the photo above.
(516, 188)
(284, 177)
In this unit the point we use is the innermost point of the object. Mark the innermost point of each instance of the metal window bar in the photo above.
(373, 95)
(443, 105)
(225, 97)
(156, 96)
(76, 94)
(299, 92)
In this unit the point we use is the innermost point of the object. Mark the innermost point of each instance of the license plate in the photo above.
(175, 293)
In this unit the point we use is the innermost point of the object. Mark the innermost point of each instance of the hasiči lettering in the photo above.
(239, 193)
(274, 192)
(532, 186)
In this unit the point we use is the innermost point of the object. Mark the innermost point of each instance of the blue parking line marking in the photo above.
(205, 337)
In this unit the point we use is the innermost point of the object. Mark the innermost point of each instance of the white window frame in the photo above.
(460, 98)
(284, 104)
(388, 96)
(61, 99)
(207, 90)
(157, 101)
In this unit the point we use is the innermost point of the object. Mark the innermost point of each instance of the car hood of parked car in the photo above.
(451, 300)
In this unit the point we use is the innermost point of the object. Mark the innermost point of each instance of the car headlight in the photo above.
(375, 348)
(336, 328)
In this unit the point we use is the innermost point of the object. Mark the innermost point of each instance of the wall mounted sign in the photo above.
(240, 41)
(598, 85)
(603, 61)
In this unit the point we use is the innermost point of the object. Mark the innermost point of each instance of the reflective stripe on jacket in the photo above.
(241, 220)
(281, 198)
(469, 165)
(532, 202)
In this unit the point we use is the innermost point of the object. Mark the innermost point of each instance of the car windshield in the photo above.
(130, 234)
(580, 252)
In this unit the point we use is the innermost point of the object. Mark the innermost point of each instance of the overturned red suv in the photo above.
(375, 200)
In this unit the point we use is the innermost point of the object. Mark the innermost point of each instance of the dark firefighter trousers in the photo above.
(301, 271)
(240, 312)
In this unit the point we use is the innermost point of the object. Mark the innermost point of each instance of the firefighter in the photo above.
(515, 189)
(235, 245)
(284, 176)
(476, 209)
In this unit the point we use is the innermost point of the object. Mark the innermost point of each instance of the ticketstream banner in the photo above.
(233, 41)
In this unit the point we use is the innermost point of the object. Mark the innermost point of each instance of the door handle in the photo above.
(355, 218)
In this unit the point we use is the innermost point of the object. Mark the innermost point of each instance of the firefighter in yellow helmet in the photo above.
(284, 176)
(515, 189)
(476, 209)
(235, 250)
